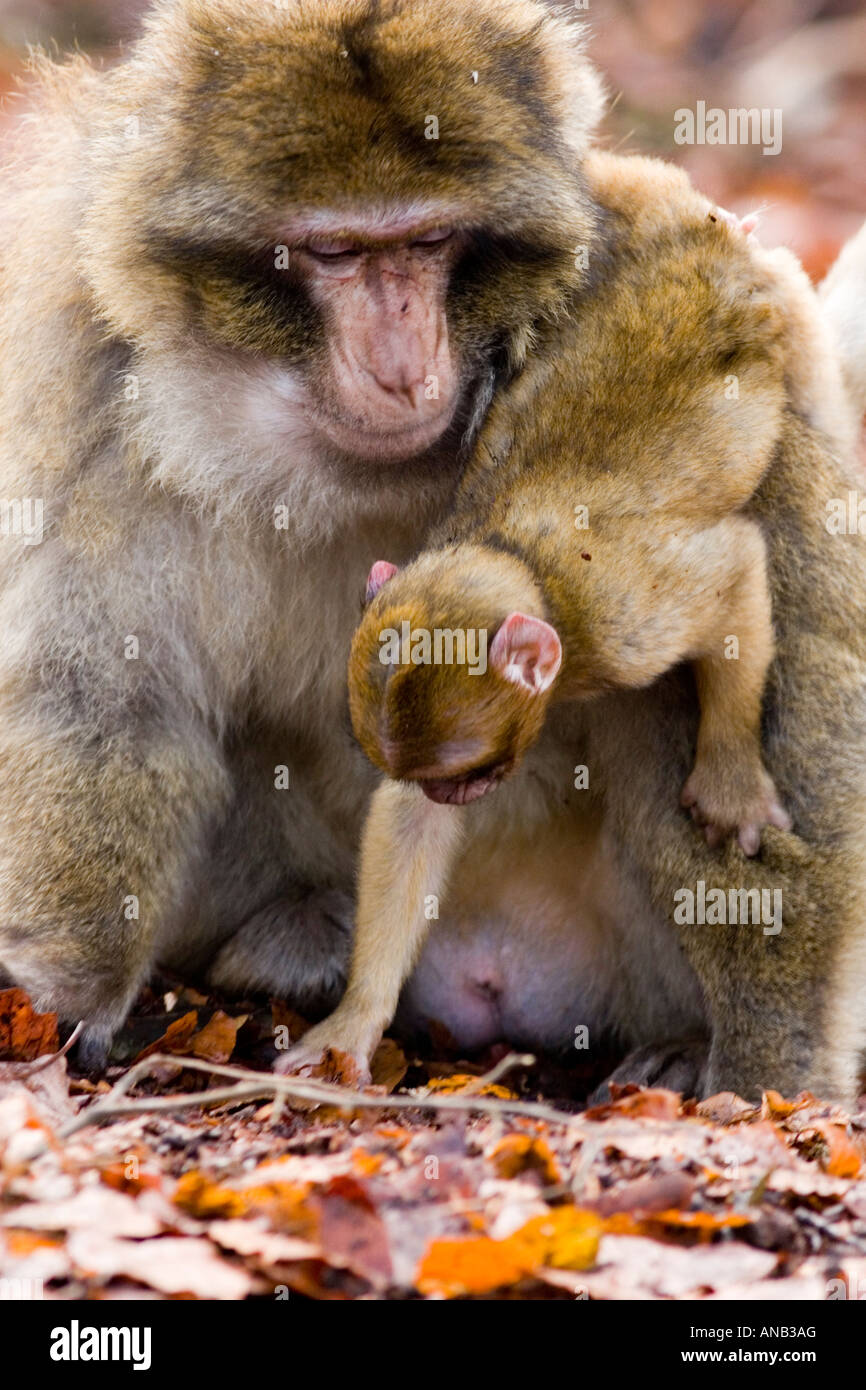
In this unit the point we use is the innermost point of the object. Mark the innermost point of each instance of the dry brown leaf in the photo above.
(836, 1152)
(215, 1042)
(389, 1065)
(118, 1176)
(519, 1153)
(91, 1208)
(727, 1108)
(653, 1104)
(200, 1196)
(171, 1265)
(175, 1040)
(24, 1034)
(647, 1195)
(351, 1231)
(776, 1107)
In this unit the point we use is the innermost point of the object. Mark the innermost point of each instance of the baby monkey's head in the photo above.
(451, 670)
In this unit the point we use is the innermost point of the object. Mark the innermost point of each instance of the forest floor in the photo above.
(192, 1172)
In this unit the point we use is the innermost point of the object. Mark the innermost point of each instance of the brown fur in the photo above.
(656, 448)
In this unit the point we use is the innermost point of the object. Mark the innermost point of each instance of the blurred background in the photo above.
(805, 57)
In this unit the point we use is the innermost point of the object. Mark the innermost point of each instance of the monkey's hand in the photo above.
(337, 1049)
(730, 794)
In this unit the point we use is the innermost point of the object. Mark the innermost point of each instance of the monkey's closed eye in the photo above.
(328, 254)
(434, 239)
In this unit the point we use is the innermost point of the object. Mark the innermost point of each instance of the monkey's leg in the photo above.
(407, 849)
(297, 947)
(729, 790)
(96, 842)
(675, 1066)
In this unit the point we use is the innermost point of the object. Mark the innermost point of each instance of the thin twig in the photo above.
(502, 1068)
(43, 1063)
(251, 1085)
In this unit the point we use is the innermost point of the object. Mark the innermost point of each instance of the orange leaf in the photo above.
(517, 1153)
(459, 1081)
(115, 1175)
(564, 1238)
(215, 1042)
(775, 1107)
(365, 1164)
(198, 1196)
(176, 1038)
(838, 1155)
(467, 1265)
(703, 1224)
(285, 1204)
(24, 1034)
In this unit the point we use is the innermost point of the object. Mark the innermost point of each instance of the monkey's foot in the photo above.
(335, 1050)
(726, 799)
(675, 1066)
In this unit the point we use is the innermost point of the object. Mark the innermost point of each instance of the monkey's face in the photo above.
(440, 697)
(391, 378)
(356, 211)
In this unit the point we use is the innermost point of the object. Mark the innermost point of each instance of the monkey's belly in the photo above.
(540, 938)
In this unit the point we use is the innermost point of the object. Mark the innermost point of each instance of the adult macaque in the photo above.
(257, 283)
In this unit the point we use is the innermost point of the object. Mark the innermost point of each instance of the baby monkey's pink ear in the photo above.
(381, 572)
(527, 651)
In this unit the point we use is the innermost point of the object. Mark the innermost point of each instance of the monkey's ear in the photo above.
(379, 575)
(527, 651)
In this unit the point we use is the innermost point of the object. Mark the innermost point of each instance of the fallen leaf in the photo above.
(446, 1085)
(468, 1265)
(649, 1104)
(645, 1195)
(171, 1265)
(200, 1196)
(24, 1034)
(388, 1065)
(563, 1238)
(775, 1107)
(519, 1153)
(215, 1042)
(92, 1208)
(175, 1040)
(837, 1154)
(703, 1224)
(727, 1108)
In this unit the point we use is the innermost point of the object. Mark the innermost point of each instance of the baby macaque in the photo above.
(598, 539)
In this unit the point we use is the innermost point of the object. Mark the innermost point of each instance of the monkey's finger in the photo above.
(749, 838)
(778, 816)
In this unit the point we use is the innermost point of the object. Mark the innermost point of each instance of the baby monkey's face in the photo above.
(442, 690)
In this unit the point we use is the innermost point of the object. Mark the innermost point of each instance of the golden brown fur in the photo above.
(664, 449)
